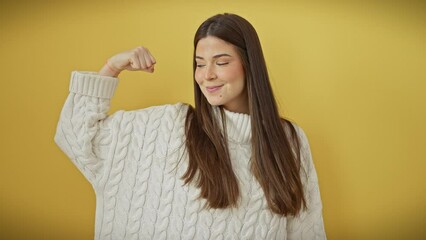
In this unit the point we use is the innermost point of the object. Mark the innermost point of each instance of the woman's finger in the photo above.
(151, 57)
(134, 62)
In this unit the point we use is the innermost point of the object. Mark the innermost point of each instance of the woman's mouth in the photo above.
(214, 88)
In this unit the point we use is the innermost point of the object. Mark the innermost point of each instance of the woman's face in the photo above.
(220, 74)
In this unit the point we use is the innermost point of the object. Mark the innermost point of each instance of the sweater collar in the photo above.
(238, 126)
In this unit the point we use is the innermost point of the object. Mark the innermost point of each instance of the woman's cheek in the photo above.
(197, 76)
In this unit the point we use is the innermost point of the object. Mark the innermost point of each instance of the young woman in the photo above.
(228, 168)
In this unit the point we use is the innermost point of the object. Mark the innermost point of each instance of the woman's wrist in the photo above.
(108, 70)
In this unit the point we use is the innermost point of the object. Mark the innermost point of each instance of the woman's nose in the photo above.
(209, 73)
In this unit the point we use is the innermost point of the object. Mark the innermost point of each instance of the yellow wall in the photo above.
(352, 75)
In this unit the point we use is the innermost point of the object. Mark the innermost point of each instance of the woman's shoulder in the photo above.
(304, 147)
(300, 132)
(176, 108)
(160, 113)
(293, 129)
(297, 137)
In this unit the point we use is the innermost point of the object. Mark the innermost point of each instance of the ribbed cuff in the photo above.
(92, 84)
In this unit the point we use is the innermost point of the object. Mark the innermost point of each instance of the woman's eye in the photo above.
(200, 65)
(222, 63)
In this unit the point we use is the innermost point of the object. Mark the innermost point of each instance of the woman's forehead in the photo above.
(213, 47)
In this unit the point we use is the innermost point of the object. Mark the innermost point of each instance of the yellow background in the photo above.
(352, 74)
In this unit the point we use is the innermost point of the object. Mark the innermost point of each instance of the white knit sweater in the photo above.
(130, 158)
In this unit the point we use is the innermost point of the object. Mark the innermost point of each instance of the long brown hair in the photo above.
(275, 155)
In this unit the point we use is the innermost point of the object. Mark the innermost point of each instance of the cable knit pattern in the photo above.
(135, 159)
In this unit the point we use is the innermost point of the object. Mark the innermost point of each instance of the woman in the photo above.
(230, 168)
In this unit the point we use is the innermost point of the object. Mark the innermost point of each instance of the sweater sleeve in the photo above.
(82, 131)
(308, 224)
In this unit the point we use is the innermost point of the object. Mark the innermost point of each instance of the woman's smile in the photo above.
(213, 89)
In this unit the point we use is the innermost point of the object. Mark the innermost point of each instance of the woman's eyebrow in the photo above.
(215, 56)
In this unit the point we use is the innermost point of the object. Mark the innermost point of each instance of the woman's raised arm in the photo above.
(84, 131)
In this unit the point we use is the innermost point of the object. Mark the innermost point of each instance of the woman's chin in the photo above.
(214, 103)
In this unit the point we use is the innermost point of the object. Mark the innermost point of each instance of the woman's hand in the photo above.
(137, 59)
